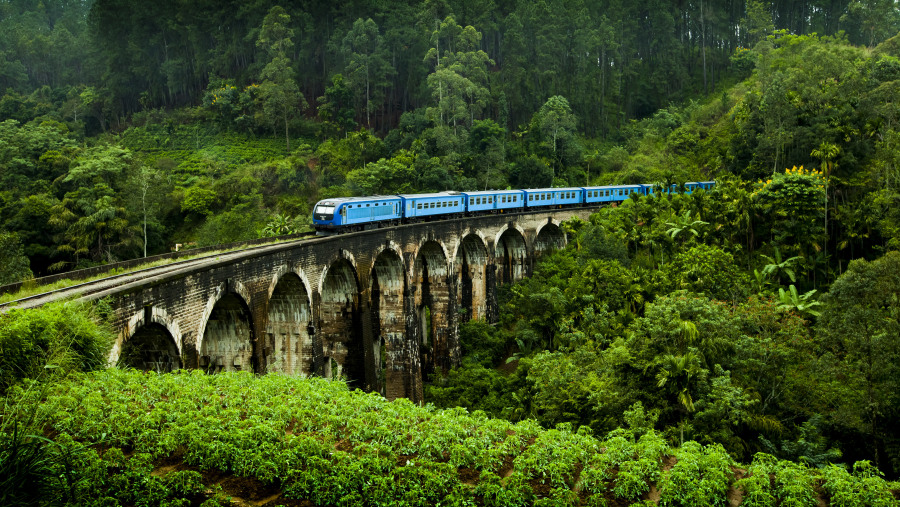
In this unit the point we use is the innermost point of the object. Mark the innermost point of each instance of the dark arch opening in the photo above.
(471, 259)
(549, 239)
(228, 338)
(341, 326)
(289, 347)
(151, 348)
(511, 257)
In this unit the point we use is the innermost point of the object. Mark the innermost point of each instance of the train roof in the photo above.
(341, 200)
(491, 192)
(433, 194)
(628, 185)
(556, 189)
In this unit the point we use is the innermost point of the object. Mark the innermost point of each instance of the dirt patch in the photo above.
(468, 475)
(653, 495)
(667, 463)
(286, 502)
(735, 494)
(171, 463)
(541, 489)
(251, 489)
(213, 476)
(506, 469)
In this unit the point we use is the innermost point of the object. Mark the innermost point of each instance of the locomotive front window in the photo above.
(325, 210)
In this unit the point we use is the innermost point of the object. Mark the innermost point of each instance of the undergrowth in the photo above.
(315, 440)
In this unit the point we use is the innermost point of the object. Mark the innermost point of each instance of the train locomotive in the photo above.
(344, 214)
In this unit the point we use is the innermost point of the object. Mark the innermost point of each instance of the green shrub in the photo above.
(66, 336)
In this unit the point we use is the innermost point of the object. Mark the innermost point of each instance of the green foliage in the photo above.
(699, 477)
(64, 335)
(198, 200)
(793, 300)
(860, 318)
(708, 270)
(865, 486)
(14, 264)
(335, 108)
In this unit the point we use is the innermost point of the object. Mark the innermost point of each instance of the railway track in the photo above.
(101, 287)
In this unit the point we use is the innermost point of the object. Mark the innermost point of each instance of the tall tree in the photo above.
(281, 95)
(556, 126)
(861, 326)
(459, 81)
(367, 67)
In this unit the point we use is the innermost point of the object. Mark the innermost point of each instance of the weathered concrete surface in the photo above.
(381, 308)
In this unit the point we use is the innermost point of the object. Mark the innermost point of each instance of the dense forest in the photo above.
(129, 128)
(761, 318)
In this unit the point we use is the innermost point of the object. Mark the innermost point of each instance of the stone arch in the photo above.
(510, 255)
(434, 292)
(226, 341)
(549, 237)
(391, 351)
(340, 321)
(288, 346)
(470, 264)
(150, 342)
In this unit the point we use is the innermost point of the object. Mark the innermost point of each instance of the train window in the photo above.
(419, 206)
(503, 199)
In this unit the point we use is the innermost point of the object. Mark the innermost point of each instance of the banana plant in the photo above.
(801, 303)
(777, 267)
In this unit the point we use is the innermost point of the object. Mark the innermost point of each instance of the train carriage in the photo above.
(691, 186)
(429, 206)
(491, 201)
(610, 193)
(356, 212)
(544, 197)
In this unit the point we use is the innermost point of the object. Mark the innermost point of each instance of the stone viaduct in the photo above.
(380, 308)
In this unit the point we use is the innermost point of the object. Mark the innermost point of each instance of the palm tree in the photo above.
(681, 373)
(684, 223)
(826, 152)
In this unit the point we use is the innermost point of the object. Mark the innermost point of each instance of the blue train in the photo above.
(357, 213)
